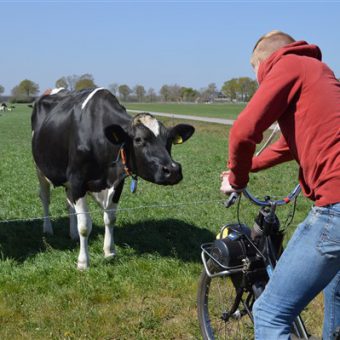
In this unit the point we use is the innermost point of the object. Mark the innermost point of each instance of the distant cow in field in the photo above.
(86, 142)
(3, 107)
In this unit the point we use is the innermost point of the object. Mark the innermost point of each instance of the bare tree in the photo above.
(209, 93)
(71, 81)
(171, 92)
(15, 91)
(113, 88)
(165, 93)
(175, 92)
(151, 95)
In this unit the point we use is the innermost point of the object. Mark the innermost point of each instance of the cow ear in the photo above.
(116, 134)
(181, 132)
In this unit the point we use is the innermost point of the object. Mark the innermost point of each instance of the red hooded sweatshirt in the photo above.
(302, 94)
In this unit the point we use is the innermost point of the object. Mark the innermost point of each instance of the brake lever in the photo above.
(232, 199)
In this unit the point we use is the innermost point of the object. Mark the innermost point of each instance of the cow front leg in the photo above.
(44, 194)
(84, 224)
(109, 220)
(74, 235)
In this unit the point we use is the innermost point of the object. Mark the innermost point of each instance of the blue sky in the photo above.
(191, 43)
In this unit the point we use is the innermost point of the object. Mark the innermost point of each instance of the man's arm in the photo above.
(274, 154)
(271, 100)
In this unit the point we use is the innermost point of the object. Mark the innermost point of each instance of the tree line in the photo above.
(234, 90)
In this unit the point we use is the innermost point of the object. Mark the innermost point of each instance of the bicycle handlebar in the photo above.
(266, 203)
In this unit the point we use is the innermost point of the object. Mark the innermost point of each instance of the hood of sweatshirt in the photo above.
(301, 48)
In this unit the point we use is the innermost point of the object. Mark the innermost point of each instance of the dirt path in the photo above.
(199, 118)
(190, 117)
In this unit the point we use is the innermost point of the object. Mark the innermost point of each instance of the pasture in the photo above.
(149, 290)
(225, 110)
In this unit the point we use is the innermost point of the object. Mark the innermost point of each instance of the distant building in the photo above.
(221, 98)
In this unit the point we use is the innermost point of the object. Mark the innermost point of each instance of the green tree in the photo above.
(61, 82)
(2, 89)
(139, 90)
(230, 88)
(24, 92)
(188, 94)
(247, 88)
(86, 81)
(124, 92)
(28, 88)
(84, 84)
(253, 86)
(241, 89)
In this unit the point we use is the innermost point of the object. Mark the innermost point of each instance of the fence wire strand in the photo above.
(118, 210)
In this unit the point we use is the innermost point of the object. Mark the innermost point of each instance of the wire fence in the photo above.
(120, 210)
(93, 211)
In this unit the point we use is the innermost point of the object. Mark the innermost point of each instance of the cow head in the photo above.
(148, 146)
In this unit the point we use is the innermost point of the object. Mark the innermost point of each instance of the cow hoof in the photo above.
(110, 256)
(82, 265)
(47, 228)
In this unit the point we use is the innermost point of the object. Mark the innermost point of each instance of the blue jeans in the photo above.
(309, 264)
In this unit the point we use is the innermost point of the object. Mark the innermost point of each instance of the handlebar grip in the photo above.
(231, 200)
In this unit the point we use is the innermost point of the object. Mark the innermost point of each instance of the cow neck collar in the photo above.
(122, 155)
(127, 172)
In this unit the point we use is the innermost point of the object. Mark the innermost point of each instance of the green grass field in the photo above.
(149, 290)
(226, 110)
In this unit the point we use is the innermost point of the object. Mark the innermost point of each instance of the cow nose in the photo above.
(166, 171)
(169, 170)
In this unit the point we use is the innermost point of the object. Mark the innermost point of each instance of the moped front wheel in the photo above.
(223, 311)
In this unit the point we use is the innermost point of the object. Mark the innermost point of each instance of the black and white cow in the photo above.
(3, 107)
(86, 142)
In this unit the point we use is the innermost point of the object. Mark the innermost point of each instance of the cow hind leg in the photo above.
(44, 194)
(108, 200)
(74, 235)
(84, 224)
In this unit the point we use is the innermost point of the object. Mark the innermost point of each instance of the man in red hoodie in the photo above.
(302, 94)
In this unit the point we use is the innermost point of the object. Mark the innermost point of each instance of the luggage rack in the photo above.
(207, 254)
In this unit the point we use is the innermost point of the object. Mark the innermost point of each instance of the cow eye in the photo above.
(138, 140)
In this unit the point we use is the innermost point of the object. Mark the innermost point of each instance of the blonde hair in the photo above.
(268, 44)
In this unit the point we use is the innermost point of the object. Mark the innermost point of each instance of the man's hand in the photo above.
(226, 188)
